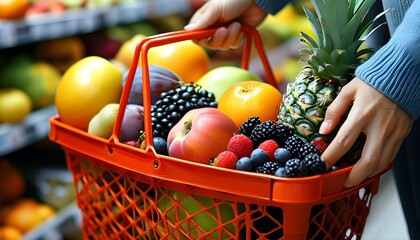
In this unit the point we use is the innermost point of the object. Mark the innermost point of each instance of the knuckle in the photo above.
(369, 161)
(343, 141)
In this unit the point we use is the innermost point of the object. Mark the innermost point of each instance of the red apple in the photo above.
(201, 135)
(45, 6)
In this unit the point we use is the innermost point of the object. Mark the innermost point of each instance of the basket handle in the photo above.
(144, 46)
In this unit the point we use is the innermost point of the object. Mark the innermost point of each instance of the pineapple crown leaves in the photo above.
(340, 26)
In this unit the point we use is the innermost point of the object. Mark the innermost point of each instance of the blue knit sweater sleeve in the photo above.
(394, 69)
(272, 6)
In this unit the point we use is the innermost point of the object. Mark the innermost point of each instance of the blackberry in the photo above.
(249, 124)
(296, 168)
(174, 104)
(307, 149)
(293, 145)
(315, 164)
(286, 132)
(268, 168)
(267, 130)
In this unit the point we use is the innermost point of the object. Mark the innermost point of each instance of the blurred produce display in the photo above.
(52, 19)
(18, 213)
(19, 9)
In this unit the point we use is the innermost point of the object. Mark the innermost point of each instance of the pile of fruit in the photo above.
(224, 116)
(272, 148)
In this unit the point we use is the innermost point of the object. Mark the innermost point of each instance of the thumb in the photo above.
(204, 17)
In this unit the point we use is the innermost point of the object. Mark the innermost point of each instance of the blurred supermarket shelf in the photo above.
(34, 128)
(78, 21)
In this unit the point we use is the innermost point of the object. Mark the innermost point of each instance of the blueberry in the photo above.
(281, 155)
(245, 164)
(280, 172)
(160, 146)
(259, 157)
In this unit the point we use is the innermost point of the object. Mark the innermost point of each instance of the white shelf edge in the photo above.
(35, 127)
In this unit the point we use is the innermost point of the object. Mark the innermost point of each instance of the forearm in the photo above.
(394, 69)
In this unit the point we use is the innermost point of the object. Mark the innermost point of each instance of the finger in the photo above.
(233, 32)
(214, 41)
(386, 158)
(337, 109)
(203, 42)
(344, 140)
(390, 151)
(239, 41)
(218, 38)
(368, 162)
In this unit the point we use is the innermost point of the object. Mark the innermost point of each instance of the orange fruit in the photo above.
(53, 52)
(186, 59)
(126, 52)
(250, 98)
(27, 213)
(10, 233)
(12, 182)
(13, 9)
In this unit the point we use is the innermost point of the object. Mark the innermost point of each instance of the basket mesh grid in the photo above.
(118, 204)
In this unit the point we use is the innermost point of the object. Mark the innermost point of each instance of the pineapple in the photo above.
(341, 27)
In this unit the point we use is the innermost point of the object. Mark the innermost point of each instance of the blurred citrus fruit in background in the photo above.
(85, 88)
(42, 84)
(250, 98)
(186, 59)
(36, 78)
(26, 213)
(126, 52)
(13, 9)
(12, 182)
(15, 105)
(61, 52)
(9, 233)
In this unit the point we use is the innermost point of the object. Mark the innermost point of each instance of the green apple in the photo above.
(219, 79)
(102, 124)
(202, 221)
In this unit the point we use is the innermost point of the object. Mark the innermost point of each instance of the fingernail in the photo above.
(190, 26)
(324, 127)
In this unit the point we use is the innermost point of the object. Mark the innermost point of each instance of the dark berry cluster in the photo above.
(174, 104)
(260, 131)
(278, 151)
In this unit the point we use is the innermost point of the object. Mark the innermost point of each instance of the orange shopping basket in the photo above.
(128, 193)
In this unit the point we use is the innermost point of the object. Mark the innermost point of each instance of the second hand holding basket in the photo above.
(128, 193)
